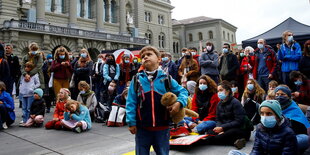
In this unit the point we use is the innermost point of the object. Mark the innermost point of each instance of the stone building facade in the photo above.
(96, 25)
(193, 31)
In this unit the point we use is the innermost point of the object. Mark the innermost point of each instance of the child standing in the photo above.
(37, 110)
(145, 115)
(26, 90)
(62, 98)
(76, 117)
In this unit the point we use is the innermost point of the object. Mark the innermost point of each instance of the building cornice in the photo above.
(160, 3)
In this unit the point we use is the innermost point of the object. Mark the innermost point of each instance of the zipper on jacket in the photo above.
(153, 104)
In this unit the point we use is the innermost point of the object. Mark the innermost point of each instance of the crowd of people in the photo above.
(265, 89)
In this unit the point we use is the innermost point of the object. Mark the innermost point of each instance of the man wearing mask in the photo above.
(195, 54)
(265, 64)
(14, 68)
(228, 64)
(208, 62)
(169, 66)
(289, 54)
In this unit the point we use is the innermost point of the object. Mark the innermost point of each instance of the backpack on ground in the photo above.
(102, 113)
(117, 116)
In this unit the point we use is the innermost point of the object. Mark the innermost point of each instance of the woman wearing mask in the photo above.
(126, 70)
(252, 95)
(82, 70)
(231, 128)
(97, 78)
(204, 102)
(246, 65)
(188, 70)
(111, 71)
(290, 110)
(209, 62)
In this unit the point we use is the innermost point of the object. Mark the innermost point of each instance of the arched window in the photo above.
(113, 12)
(174, 47)
(79, 8)
(210, 35)
(200, 36)
(190, 37)
(224, 34)
(161, 40)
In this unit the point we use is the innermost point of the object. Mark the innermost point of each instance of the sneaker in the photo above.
(21, 122)
(77, 129)
(4, 126)
(240, 143)
(22, 125)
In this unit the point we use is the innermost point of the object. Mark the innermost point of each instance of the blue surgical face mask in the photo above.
(70, 56)
(241, 54)
(250, 86)
(165, 59)
(183, 54)
(193, 53)
(260, 46)
(50, 60)
(290, 38)
(62, 56)
(135, 60)
(234, 89)
(268, 121)
(126, 61)
(203, 87)
(221, 95)
(298, 83)
(100, 60)
(84, 55)
(82, 92)
(225, 50)
(34, 52)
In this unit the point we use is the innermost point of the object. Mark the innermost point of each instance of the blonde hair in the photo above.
(149, 48)
(259, 91)
(33, 46)
(284, 34)
(70, 102)
(67, 94)
(88, 56)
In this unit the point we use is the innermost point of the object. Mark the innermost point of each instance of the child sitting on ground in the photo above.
(76, 117)
(37, 110)
(26, 89)
(62, 98)
(88, 98)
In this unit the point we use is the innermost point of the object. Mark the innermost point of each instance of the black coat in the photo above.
(5, 71)
(230, 114)
(276, 141)
(37, 107)
(14, 66)
(232, 65)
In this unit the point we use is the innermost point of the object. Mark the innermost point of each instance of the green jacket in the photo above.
(38, 64)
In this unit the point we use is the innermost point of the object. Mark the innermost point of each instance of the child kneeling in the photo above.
(76, 117)
(37, 110)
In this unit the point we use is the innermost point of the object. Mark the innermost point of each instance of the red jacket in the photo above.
(271, 61)
(246, 65)
(59, 110)
(304, 96)
(212, 108)
(61, 71)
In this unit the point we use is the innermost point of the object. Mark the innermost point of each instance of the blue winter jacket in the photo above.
(106, 73)
(82, 116)
(172, 69)
(280, 140)
(9, 104)
(150, 112)
(290, 57)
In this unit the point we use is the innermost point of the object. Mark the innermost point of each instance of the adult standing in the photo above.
(305, 60)
(228, 64)
(4, 67)
(188, 70)
(208, 62)
(265, 64)
(246, 66)
(97, 78)
(14, 68)
(169, 66)
(289, 54)
(36, 59)
(82, 71)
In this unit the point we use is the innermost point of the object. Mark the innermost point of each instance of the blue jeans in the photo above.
(263, 81)
(302, 141)
(26, 105)
(236, 152)
(158, 139)
(3, 114)
(202, 127)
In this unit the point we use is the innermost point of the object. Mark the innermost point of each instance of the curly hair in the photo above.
(61, 49)
(259, 91)
(212, 86)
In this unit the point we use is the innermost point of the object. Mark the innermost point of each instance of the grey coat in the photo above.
(208, 62)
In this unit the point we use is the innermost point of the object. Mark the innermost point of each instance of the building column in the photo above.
(99, 15)
(139, 14)
(122, 17)
(40, 9)
(72, 14)
(108, 12)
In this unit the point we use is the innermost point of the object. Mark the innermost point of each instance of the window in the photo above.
(161, 19)
(210, 35)
(190, 37)
(147, 16)
(113, 12)
(148, 37)
(228, 37)
(200, 36)
(232, 38)
(177, 47)
(83, 8)
(224, 34)
(48, 5)
(56, 6)
(174, 49)
(59, 6)
(161, 41)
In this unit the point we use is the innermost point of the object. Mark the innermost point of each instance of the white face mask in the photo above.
(209, 48)
(183, 54)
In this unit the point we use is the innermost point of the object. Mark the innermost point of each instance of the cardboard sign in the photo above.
(186, 140)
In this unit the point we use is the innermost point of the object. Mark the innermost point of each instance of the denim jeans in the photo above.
(202, 127)
(3, 114)
(26, 105)
(302, 141)
(236, 152)
(158, 139)
(263, 81)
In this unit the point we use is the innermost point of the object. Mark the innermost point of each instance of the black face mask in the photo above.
(110, 61)
(282, 100)
(187, 56)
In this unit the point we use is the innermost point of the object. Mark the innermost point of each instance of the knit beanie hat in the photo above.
(274, 105)
(286, 90)
(38, 91)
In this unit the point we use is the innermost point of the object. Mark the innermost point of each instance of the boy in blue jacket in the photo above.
(145, 115)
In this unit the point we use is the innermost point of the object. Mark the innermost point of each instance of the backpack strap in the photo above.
(168, 83)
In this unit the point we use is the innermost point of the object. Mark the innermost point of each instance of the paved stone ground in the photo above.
(99, 140)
